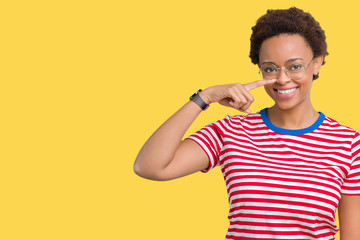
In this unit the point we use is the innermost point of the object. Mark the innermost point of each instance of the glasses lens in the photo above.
(269, 71)
(295, 71)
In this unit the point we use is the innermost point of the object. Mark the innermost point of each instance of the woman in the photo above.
(288, 167)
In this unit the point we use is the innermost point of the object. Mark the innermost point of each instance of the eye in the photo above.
(295, 67)
(269, 69)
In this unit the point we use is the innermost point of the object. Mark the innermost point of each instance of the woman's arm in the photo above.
(157, 157)
(349, 217)
(165, 156)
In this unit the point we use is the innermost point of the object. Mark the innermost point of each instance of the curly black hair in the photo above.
(288, 21)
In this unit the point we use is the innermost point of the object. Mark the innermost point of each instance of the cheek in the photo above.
(310, 74)
(307, 82)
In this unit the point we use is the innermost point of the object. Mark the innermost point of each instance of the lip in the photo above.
(285, 96)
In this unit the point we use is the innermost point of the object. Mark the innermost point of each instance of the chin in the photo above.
(288, 105)
(284, 106)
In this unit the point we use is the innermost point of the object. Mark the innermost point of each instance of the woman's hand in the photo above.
(233, 95)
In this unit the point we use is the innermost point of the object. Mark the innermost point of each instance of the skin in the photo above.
(349, 217)
(166, 156)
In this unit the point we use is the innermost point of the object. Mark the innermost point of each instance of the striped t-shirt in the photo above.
(281, 183)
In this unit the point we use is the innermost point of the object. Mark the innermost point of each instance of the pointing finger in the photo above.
(252, 85)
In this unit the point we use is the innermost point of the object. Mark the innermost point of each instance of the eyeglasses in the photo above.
(294, 71)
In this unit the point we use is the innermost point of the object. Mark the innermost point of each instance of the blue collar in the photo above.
(291, 131)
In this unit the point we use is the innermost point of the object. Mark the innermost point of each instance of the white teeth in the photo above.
(288, 91)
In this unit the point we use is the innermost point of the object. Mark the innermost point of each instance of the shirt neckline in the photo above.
(274, 128)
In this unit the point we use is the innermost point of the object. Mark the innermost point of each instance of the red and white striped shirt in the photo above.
(281, 183)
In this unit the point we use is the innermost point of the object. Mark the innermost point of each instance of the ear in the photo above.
(318, 61)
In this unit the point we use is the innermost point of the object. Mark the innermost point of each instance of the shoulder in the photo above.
(336, 129)
(334, 125)
(244, 122)
(250, 118)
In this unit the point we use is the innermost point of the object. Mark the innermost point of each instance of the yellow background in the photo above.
(85, 83)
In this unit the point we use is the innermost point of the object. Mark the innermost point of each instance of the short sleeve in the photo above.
(210, 138)
(351, 184)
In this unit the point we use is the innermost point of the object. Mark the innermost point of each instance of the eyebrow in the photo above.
(287, 61)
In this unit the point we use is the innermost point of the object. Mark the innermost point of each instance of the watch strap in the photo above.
(199, 101)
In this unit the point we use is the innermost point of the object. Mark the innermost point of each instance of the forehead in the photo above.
(281, 48)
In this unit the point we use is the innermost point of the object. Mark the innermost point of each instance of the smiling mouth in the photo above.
(287, 91)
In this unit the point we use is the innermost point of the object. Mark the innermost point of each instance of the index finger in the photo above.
(259, 83)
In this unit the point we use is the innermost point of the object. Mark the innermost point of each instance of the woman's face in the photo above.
(284, 50)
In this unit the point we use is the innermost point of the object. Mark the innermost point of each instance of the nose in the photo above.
(282, 77)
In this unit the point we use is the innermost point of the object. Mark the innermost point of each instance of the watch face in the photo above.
(197, 92)
(192, 97)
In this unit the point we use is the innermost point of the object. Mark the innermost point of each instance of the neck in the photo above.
(296, 118)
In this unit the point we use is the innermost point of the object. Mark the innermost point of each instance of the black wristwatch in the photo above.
(199, 101)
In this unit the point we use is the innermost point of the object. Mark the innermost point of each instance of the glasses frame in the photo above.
(278, 69)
